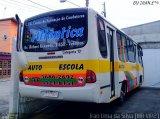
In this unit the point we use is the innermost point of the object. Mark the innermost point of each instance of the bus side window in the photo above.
(122, 50)
(134, 52)
(140, 56)
(127, 47)
(102, 37)
(131, 51)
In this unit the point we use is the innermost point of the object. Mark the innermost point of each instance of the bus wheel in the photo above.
(122, 97)
(123, 93)
(140, 81)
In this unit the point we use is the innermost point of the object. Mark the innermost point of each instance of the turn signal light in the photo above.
(90, 76)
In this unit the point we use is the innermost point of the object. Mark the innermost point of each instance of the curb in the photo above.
(147, 87)
(4, 80)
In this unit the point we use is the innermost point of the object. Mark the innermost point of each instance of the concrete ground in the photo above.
(143, 102)
(4, 95)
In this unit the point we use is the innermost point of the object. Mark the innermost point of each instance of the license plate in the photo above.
(50, 94)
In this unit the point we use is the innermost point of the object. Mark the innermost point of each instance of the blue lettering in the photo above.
(52, 34)
(80, 32)
(35, 37)
(40, 38)
(68, 31)
(45, 34)
(63, 31)
(71, 33)
(58, 34)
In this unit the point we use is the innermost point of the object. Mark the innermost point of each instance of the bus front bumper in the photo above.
(88, 93)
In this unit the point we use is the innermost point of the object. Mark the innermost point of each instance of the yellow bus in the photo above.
(77, 55)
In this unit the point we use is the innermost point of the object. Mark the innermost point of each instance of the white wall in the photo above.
(151, 61)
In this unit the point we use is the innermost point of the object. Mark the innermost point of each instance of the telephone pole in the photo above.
(104, 9)
(87, 3)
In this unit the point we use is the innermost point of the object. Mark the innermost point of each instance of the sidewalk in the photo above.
(4, 79)
(4, 95)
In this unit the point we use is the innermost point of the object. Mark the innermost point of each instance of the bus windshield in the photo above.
(55, 32)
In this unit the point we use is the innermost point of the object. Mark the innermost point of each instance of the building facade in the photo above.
(5, 65)
(148, 36)
(8, 30)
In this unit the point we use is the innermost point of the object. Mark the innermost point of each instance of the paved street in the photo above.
(4, 95)
(142, 100)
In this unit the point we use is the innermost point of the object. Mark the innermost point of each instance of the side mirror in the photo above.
(18, 32)
(22, 60)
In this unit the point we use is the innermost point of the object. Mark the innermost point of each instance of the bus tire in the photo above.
(140, 80)
(123, 92)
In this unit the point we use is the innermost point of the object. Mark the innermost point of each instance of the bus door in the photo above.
(111, 49)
